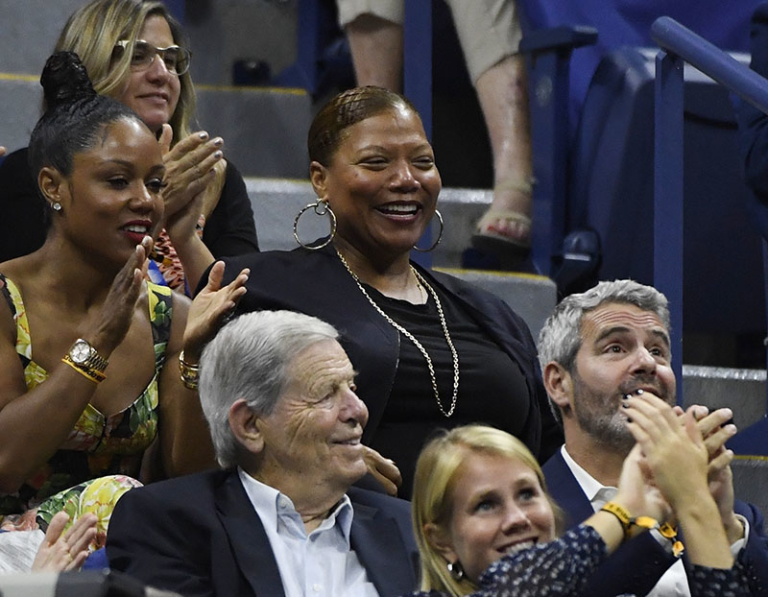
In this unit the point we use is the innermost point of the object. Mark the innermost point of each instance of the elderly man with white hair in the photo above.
(282, 518)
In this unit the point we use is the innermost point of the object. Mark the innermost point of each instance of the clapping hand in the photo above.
(637, 488)
(210, 308)
(68, 551)
(115, 317)
(188, 171)
(716, 430)
(676, 455)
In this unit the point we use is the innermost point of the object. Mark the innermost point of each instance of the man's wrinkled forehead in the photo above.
(611, 318)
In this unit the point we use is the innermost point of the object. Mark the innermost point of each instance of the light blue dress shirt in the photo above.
(321, 564)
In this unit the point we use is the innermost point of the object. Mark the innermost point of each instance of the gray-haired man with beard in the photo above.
(597, 347)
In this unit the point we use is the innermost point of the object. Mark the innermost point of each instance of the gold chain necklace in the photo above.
(413, 339)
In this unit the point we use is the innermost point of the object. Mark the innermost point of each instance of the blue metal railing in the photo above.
(548, 53)
(679, 45)
(417, 83)
(711, 60)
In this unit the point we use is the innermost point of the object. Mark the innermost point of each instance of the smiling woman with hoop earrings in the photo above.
(429, 349)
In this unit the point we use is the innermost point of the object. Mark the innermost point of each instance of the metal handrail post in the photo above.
(417, 82)
(668, 198)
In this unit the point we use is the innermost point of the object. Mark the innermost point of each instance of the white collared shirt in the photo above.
(674, 582)
(320, 564)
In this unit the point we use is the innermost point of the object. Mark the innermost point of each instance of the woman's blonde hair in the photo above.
(433, 487)
(93, 32)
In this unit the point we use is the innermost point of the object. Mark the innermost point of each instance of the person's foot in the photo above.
(506, 226)
(505, 229)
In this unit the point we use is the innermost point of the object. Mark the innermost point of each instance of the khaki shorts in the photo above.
(489, 30)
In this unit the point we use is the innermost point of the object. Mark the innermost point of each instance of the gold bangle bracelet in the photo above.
(190, 374)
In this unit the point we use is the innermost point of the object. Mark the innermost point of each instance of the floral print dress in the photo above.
(94, 466)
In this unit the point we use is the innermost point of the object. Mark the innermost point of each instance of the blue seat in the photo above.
(611, 192)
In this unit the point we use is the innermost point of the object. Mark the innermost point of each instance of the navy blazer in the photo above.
(638, 564)
(200, 536)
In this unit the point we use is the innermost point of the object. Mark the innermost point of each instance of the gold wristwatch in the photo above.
(84, 358)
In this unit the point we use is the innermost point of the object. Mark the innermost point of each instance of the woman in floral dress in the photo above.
(91, 397)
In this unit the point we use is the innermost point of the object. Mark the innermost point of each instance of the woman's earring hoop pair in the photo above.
(321, 208)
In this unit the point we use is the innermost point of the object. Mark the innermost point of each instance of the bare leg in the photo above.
(503, 96)
(377, 51)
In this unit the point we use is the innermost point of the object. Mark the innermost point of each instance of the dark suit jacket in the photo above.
(637, 565)
(200, 536)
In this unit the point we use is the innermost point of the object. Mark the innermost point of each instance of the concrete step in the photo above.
(21, 101)
(742, 390)
(750, 480)
(264, 128)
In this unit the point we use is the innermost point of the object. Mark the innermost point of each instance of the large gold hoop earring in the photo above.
(321, 209)
(439, 236)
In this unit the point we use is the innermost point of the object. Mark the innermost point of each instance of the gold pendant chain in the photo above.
(413, 339)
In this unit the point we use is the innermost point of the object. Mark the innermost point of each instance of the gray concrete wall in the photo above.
(222, 31)
(28, 32)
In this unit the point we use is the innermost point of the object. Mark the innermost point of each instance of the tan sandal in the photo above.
(487, 229)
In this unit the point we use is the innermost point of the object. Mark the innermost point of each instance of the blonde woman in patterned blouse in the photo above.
(486, 525)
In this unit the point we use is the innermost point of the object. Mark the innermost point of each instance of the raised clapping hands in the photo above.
(210, 308)
(68, 551)
(677, 460)
(115, 317)
(637, 492)
(716, 431)
(675, 454)
(188, 171)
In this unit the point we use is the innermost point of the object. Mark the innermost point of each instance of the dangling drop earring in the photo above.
(455, 570)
